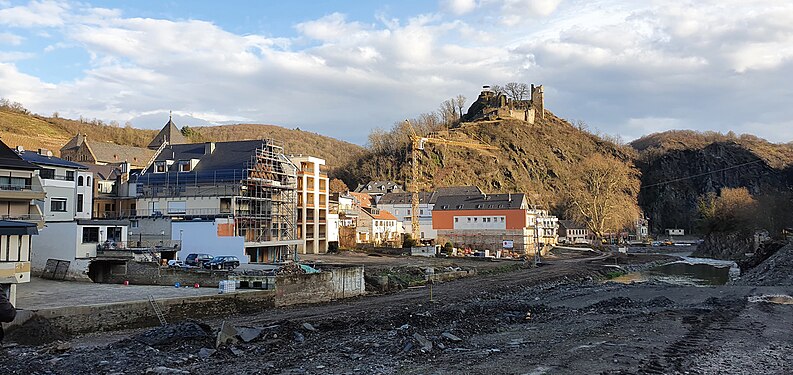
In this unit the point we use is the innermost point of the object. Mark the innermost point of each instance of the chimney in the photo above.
(209, 148)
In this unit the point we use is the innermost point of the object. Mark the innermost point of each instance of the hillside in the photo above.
(334, 151)
(679, 167)
(531, 158)
(33, 132)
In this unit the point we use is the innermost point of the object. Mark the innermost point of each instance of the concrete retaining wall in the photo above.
(150, 273)
(333, 283)
(137, 314)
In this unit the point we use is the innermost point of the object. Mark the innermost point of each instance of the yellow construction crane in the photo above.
(418, 143)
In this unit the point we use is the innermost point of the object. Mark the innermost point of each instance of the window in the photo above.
(47, 174)
(90, 234)
(80, 181)
(133, 223)
(88, 181)
(177, 207)
(58, 205)
(184, 166)
(396, 212)
(421, 212)
(159, 167)
(69, 175)
(79, 203)
(456, 219)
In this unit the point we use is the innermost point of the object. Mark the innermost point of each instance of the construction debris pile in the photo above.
(777, 269)
(555, 319)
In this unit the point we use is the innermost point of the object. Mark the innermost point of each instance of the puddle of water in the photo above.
(688, 272)
(779, 299)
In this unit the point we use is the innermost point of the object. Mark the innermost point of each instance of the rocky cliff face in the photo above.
(673, 182)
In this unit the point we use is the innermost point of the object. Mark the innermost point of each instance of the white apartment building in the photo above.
(69, 235)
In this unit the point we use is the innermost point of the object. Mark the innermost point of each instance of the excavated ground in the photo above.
(558, 318)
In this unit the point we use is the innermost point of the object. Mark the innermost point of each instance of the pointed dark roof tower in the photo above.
(168, 133)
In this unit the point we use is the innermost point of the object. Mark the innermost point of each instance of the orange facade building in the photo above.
(487, 222)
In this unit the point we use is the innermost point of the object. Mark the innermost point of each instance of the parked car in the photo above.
(223, 262)
(197, 260)
(175, 264)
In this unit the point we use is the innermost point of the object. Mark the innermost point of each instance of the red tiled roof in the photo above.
(384, 215)
(364, 199)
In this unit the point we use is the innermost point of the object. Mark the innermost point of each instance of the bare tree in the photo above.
(517, 91)
(498, 90)
(602, 193)
(448, 112)
(460, 102)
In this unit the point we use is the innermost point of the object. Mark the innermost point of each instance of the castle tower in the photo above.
(538, 100)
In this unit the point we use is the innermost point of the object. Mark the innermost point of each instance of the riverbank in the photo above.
(558, 318)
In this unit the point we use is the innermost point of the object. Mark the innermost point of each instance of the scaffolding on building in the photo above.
(266, 208)
(260, 197)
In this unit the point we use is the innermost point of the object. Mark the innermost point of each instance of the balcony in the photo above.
(192, 212)
(22, 217)
(21, 192)
(128, 249)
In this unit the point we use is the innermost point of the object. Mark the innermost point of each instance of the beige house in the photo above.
(312, 204)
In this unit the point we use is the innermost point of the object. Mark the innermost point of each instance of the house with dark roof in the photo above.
(221, 198)
(80, 149)
(400, 204)
(20, 217)
(70, 235)
(378, 227)
(20, 188)
(499, 223)
(379, 188)
(572, 232)
(68, 186)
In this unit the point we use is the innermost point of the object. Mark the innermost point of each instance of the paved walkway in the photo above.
(41, 293)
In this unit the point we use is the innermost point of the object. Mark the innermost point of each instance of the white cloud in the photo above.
(12, 39)
(458, 7)
(514, 12)
(35, 14)
(624, 67)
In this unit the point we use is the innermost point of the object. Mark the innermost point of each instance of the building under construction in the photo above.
(225, 198)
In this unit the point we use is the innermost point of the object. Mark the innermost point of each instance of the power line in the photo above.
(701, 174)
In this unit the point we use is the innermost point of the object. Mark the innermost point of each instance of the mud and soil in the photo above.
(558, 318)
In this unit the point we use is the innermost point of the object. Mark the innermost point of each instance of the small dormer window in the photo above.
(459, 207)
(478, 206)
(160, 167)
(185, 166)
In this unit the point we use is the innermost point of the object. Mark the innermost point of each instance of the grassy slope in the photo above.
(33, 132)
(531, 158)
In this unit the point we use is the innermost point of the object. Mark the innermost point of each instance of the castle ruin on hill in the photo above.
(491, 105)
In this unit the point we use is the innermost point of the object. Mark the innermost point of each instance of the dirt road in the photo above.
(554, 319)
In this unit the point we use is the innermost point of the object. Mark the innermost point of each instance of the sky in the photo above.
(342, 68)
